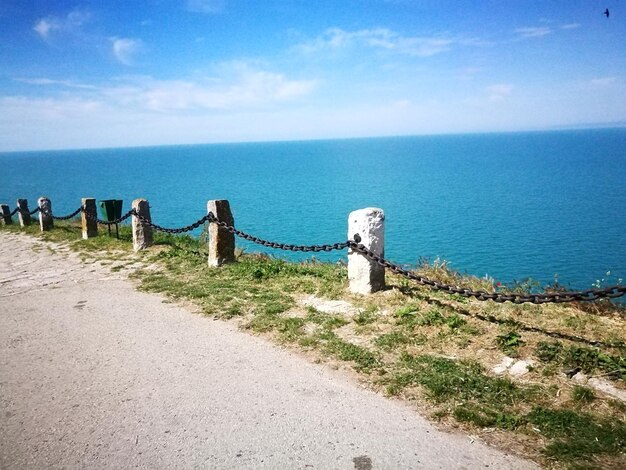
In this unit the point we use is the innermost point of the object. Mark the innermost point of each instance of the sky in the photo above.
(117, 73)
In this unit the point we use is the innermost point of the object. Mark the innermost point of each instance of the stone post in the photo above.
(46, 222)
(5, 214)
(366, 276)
(90, 224)
(221, 241)
(23, 212)
(142, 232)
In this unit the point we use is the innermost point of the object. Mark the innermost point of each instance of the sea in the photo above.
(544, 206)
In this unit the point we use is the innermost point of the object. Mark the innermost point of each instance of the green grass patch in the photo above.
(588, 359)
(578, 436)
(509, 343)
(364, 360)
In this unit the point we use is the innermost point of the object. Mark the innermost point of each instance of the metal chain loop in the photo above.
(15, 211)
(63, 217)
(279, 246)
(70, 216)
(33, 212)
(542, 298)
(188, 228)
(106, 222)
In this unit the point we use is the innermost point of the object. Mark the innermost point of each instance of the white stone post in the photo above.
(46, 222)
(142, 232)
(23, 212)
(221, 241)
(89, 224)
(5, 214)
(366, 276)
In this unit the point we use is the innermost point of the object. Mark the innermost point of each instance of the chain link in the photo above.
(279, 246)
(33, 212)
(62, 217)
(15, 211)
(107, 222)
(188, 228)
(67, 217)
(541, 298)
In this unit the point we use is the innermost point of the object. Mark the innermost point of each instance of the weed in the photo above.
(509, 343)
(484, 416)
(582, 395)
(454, 321)
(586, 358)
(578, 436)
(365, 317)
(390, 341)
(365, 360)
(446, 379)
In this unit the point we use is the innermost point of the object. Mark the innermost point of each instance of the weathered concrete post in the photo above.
(90, 224)
(142, 232)
(366, 276)
(221, 241)
(46, 222)
(23, 212)
(5, 214)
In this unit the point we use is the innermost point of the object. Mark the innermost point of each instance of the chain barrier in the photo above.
(33, 212)
(67, 217)
(188, 228)
(590, 295)
(541, 298)
(279, 246)
(107, 222)
(15, 211)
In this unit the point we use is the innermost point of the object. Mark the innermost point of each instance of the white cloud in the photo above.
(570, 26)
(533, 32)
(125, 49)
(238, 87)
(70, 23)
(499, 91)
(381, 38)
(206, 6)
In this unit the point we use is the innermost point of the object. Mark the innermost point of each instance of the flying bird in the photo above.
(606, 12)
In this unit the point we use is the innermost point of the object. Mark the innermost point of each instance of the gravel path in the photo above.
(95, 374)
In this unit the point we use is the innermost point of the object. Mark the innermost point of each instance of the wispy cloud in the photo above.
(210, 7)
(603, 81)
(381, 38)
(125, 50)
(570, 26)
(235, 86)
(533, 32)
(499, 91)
(238, 87)
(49, 81)
(49, 25)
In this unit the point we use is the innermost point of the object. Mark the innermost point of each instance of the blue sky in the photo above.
(86, 74)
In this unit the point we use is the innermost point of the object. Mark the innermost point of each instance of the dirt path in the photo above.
(95, 374)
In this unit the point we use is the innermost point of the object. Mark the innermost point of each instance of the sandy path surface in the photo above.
(95, 374)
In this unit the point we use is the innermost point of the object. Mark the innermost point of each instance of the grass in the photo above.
(428, 347)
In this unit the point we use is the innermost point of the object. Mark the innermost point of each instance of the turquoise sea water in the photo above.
(512, 205)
